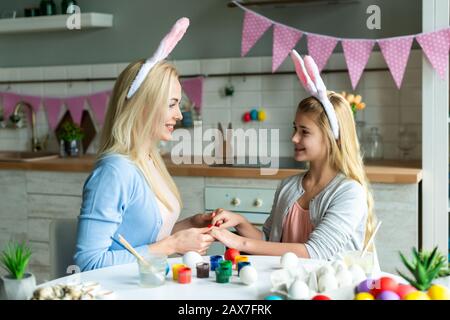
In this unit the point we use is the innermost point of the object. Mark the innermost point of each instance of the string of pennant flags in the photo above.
(395, 50)
(98, 103)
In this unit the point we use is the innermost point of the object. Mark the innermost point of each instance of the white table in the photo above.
(124, 281)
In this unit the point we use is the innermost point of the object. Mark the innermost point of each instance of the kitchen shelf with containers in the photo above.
(54, 23)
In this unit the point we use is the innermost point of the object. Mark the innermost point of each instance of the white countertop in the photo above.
(124, 281)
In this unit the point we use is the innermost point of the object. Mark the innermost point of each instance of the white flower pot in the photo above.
(19, 289)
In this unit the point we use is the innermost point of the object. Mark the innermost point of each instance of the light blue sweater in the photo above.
(116, 200)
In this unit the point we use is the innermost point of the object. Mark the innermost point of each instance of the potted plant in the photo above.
(428, 269)
(70, 136)
(18, 284)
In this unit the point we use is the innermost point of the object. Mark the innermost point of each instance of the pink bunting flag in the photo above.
(52, 107)
(320, 49)
(10, 100)
(357, 53)
(75, 106)
(194, 90)
(396, 53)
(284, 40)
(34, 102)
(254, 27)
(99, 104)
(435, 45)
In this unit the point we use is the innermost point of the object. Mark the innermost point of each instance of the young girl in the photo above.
(326, 210)
(130, 191)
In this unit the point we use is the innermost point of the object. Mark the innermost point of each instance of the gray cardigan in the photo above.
(338, 212)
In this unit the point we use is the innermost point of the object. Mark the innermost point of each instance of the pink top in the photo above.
(168, 217)
(297, 225)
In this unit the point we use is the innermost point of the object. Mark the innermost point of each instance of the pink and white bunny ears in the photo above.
(165, 47)
(309, 75)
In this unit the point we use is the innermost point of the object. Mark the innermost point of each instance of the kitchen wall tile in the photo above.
(212, 116)
(214, 66)
(244, 65)
(104, 70)
(378, 79)
(215, 100)
(102, 86)
(381, 115)
(411, 115)
(341, 82)
(56, 72)
(9, 74)
(55, 90)
(31, 73)
(120, 67)
(246, 100)
(79, 72)
(215, 84)
(187, 67)
(411, 96)
(78, 88)
(246, 83)
(279, 115)
(279, 82)
(277, 99)
(385, 97)
(412, 78)
(415, 59)
(287, 65)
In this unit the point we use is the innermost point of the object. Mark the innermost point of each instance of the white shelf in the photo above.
(54, 23)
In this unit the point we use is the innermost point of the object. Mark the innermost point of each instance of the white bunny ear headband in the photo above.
(165, 48)
(309, 75)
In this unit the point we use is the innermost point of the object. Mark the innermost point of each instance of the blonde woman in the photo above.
(326, 210)
(130, 192)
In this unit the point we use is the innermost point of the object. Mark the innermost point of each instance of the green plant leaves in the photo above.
(425, 267)
(15, 258)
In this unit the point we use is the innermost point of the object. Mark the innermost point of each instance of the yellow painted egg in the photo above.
(438, 292)
(417, 295)
(364, 296)
(262, 115)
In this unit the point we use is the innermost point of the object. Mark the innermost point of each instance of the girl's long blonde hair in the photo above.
(344, 155)
(132, 125)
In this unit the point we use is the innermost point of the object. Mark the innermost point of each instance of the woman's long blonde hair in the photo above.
(132, 125)
(344, 154)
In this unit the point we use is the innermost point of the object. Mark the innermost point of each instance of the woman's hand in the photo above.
(192, 239)
(226, 219)
(229, 239)
(201, 220)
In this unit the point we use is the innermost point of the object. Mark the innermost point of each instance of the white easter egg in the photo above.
(327, 282)
(326, 269)
(312, 282)
(338, 265)
(357, 273)
(248, 275)
(298, 290)
(289, 260)
(344, 278)
(191, 258)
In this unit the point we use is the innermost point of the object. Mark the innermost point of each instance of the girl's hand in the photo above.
(193, 239)
(201, 220)
(229, 239)
(226, 219)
